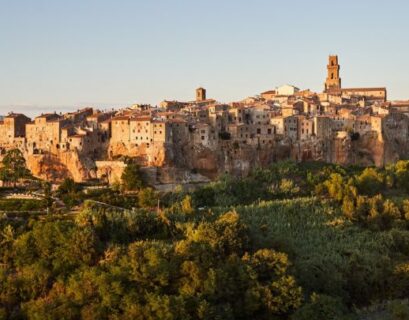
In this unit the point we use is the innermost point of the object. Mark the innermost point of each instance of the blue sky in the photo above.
(58, 54)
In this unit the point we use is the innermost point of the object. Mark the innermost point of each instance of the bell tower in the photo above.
(200, 94)
(333, 82)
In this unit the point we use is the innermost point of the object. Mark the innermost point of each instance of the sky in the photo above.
(59, 55)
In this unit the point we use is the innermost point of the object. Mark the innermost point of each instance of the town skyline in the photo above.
(104, 53)
(35, 110)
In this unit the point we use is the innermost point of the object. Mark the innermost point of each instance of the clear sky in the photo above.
(63, 54)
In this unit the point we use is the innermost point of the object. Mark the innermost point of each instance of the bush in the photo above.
(22, 205)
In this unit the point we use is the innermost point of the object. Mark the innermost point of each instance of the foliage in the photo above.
(292, 241)
(370, 182)
(14, 167)
(131, 177)
(137, 264)
(22, 205)
(147, 198)
(70, 192)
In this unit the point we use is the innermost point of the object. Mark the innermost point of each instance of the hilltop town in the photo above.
(199, 140)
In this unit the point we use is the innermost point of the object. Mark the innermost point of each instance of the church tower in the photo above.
(200, 94)
(333, 82)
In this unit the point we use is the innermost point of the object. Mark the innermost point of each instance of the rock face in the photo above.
(227, 157)
(110, 171)
(154, 155)
(63, 165)
(185, 163)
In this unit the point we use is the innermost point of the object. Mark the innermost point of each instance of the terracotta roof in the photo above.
(269, 92)
(49, 116)
(177, 120)
(364, 89)
(77, 136)
(14, 115)
(120, 118)
(159, 121)
(142, 118)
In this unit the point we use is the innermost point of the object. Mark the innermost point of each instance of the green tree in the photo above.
(402, 174)
(335, 186)
(370, 182)
(147, 198)
(322, 307)
(132, 178)
(47, 194)
(348, 207)
(70, 192)
(14, 167)
(186, 205)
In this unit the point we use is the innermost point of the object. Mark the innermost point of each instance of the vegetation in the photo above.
(22, 205)
(293, 241)
(132, 177)
(13, 167)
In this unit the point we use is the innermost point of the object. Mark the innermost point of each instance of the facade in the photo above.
(287, 90)
(12, 127)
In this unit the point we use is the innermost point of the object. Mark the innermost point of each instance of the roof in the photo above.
(177, 120)
(142, 118)
(400, 103)
(14, 115)
(269, 92)
(120, 118)
(77, 136)
(48, 116)
(364, 89)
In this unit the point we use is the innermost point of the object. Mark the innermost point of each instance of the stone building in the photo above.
(12, 127)
(44, 133)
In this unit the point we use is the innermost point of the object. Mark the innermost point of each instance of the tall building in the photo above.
(333, 81)
(200, 94)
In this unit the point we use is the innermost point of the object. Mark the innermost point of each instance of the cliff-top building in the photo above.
(333, 85)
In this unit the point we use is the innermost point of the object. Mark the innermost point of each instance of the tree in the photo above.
(147, 198)
(47, 194)
(70, 192)
(402, 174)
(186, 205)
(335, 186)
(370, 182)
(131, 177)
(348, 207)
(14, 167)
(322, 307)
